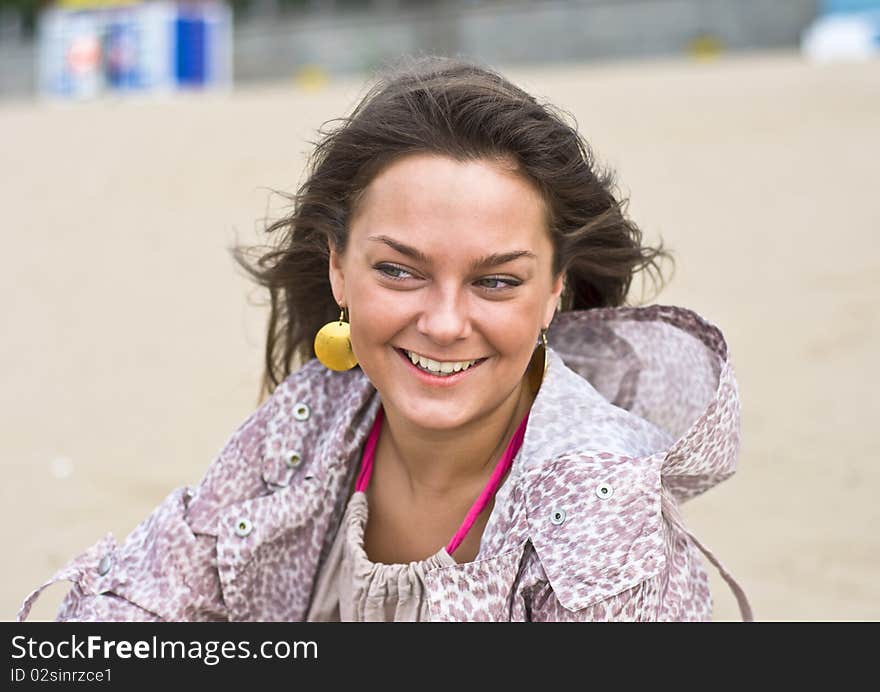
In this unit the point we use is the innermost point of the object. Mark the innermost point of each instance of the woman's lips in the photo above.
(438, 380)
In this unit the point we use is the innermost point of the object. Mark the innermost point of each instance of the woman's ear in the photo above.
(553, 299)
(337, 275)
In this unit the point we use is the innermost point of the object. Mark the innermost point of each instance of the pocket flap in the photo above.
(596, 524)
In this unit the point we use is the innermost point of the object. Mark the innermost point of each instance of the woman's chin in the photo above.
(436, 418)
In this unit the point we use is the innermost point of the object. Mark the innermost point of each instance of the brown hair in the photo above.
(464, 111)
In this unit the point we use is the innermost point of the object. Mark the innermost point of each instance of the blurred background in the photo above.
(141, 140)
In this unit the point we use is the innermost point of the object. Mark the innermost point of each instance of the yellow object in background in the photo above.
(311, 78)
(705, 47)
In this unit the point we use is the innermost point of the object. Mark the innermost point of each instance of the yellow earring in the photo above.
(333, 344)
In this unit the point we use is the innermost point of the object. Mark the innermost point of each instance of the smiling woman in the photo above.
(487, 432)
(447, 262)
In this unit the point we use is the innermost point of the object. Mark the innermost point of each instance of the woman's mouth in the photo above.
(449, 369)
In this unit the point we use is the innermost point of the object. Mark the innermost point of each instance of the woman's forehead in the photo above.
(429, 200)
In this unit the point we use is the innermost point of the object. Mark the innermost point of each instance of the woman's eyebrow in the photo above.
(497, 258)
(492, 260)
(400, 247)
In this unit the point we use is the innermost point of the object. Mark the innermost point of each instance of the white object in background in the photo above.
(156, 24)
(843, 36)
(62, 468)
(218, 20)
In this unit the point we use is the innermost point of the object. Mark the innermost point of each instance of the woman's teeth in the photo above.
(436, 367)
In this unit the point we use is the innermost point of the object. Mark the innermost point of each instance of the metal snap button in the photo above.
(293, 459)
(557, 516)
(300, 411)
(243, 527)
(604, 491)
(105, 564)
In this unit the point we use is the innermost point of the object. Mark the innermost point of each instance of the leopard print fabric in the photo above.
(638, 411)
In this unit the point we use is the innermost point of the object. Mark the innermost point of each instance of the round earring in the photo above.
(333, 344)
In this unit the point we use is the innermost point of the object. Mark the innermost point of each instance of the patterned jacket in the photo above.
(638, 412)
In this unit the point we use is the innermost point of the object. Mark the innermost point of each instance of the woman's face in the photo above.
(448, 264)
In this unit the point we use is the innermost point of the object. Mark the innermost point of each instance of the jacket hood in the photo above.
(665, 365)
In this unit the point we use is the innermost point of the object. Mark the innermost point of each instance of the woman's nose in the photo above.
(444, 319)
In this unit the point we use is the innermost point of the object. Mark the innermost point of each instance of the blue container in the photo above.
(191, 53)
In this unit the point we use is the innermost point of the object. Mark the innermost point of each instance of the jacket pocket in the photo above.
(478, 591)
(596, 524)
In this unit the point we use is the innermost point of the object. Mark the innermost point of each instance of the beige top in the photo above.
(350, 588)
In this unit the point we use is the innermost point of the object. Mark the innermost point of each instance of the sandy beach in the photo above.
(132, 345)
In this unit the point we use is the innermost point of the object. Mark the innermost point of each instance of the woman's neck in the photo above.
(440, 462)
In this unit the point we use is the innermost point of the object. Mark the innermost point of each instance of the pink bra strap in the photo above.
(501, 468)
(366, 471)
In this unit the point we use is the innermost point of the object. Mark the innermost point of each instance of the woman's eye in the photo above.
(497, 282)
(393, 271)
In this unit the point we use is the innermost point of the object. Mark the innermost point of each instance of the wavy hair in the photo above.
(465, 111)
